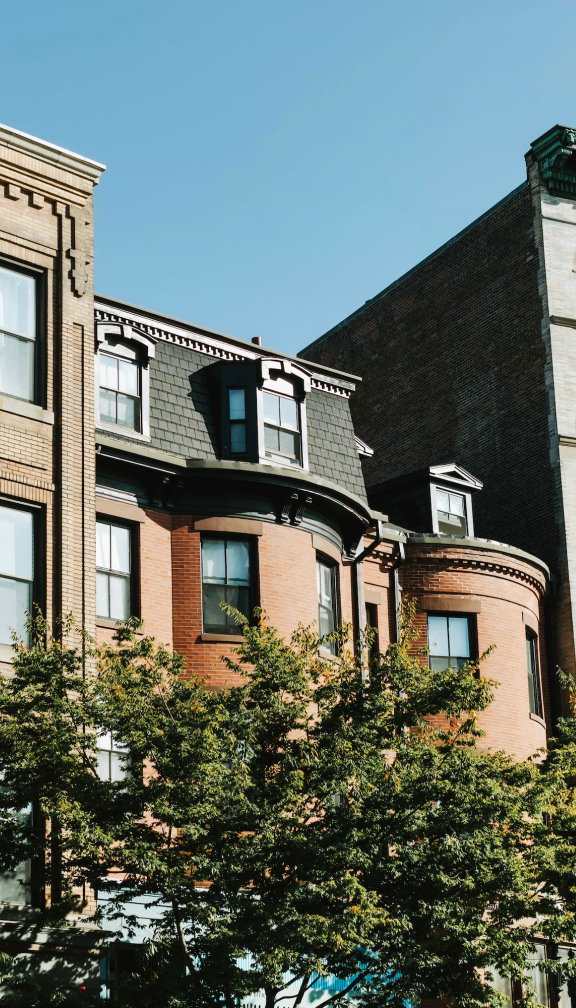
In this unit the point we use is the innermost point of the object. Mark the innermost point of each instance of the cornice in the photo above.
(51, 153)
(555, 152)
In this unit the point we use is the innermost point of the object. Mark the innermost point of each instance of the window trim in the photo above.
(328, 561)
(134, 576)
(446, 488)
(254, 587)
(39, 275)
(145, 350)
(533, 639)
(373, 607)
(38, 593)
(302, 430)
(472, 632)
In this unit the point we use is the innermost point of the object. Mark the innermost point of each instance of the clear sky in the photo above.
(273, 164)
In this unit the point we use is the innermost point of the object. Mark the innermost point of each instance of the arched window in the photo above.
(122, 379)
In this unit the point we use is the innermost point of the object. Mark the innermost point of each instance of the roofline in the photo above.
(244, 344)
(59, 156)
(422, 262)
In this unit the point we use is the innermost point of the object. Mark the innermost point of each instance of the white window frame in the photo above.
(146, 350)
(300, 379)
(446, 488)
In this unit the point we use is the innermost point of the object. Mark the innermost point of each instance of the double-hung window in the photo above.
(16, 571)
(327, 585)
(113, 570)
(226, 577)
(113, 758)
(17, 334)
(534, 692)
(451, 513)
(448, 642)
(120, 395)
(282, 429)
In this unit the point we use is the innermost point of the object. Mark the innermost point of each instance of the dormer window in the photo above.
(282, 427)
(237, 419)
(451, 509)
(120, 392)
(123, 379)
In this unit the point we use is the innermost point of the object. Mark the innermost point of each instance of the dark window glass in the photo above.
(17, 333)
(225, 578)
(16, 571)
(281, 429)
(327, 601)
(534, 694)
(448, 642)
(372, 622)
(237, 414)
(112, 571)
(120, 401)
(451, 513)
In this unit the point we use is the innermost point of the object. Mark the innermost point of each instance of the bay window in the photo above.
(226, 577)
(17, 333)
(448, 642)
(16, 571)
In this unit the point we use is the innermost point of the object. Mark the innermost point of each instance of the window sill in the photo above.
(325, 653)
(539, 720)
(26, 409)
(112, 624)
(123, 432)
(216, 638)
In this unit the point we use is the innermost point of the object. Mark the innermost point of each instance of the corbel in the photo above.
(12, 191)
(299, 511)
(289, 503)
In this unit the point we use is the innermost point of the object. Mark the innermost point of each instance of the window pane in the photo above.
(438, 635)
(16, 543)
(214, 619)
(127, 411)
(288, 443)
(238, 598)
(14, 602)
(237, 562)
(325, 621)
(17, 367)
(119, 597)
(103, 764)
(439, 662)
(538, 978)
(104, 740)
(118, 766)
(272, 408)
(456, 504)
(236, 404)
(289, 413)
(271, 438)
(108, 371)
(108, 406)
(458, 632)
(442, 500)
(102, 603)
(120, 548)
(128, 377)
(102, 545)
(17, 303)
(237, 437)
(214, 561)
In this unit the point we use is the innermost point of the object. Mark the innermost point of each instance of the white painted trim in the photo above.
(59, 156)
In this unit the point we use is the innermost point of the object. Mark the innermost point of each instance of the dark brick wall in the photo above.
(453, 367)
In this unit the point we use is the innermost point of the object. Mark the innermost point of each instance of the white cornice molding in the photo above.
(51, 153)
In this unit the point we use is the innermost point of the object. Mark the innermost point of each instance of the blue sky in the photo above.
(273, 164)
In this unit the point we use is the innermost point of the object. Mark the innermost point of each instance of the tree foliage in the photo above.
(312, 822)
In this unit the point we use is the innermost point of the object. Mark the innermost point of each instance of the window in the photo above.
(120, 392)
(327, 601)
(534, 693)
(226, 578)
(237, 415)
(451, 513)
(113, 758)
(448, 642)
(113, 568)
(281, 429)
(17, 333)
(372, 622)
(16, 571)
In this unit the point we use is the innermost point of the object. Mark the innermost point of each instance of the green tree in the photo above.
(312, 826)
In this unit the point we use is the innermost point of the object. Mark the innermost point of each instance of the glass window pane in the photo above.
(103, 765)
(118, 766)
(17, 367)
(288, 443)
(102, 602)
(289, 413)
(456, 504)
(442, 500)
(271, 438)
(438, 635)
(439, 662)
(214, 561)
(108, 406)
(119, 597)
(120, 548)
(108, 371)
(458, 633)
(128, 378)
(17, 303)
(126, 412)
(15, 600)
(104, 740)
(16, 542)
(236, 403)
(238, 598)
(272, 408)
(103, 545)
(237, 562)
(237, 437)
(537, 977)
(214, 619)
